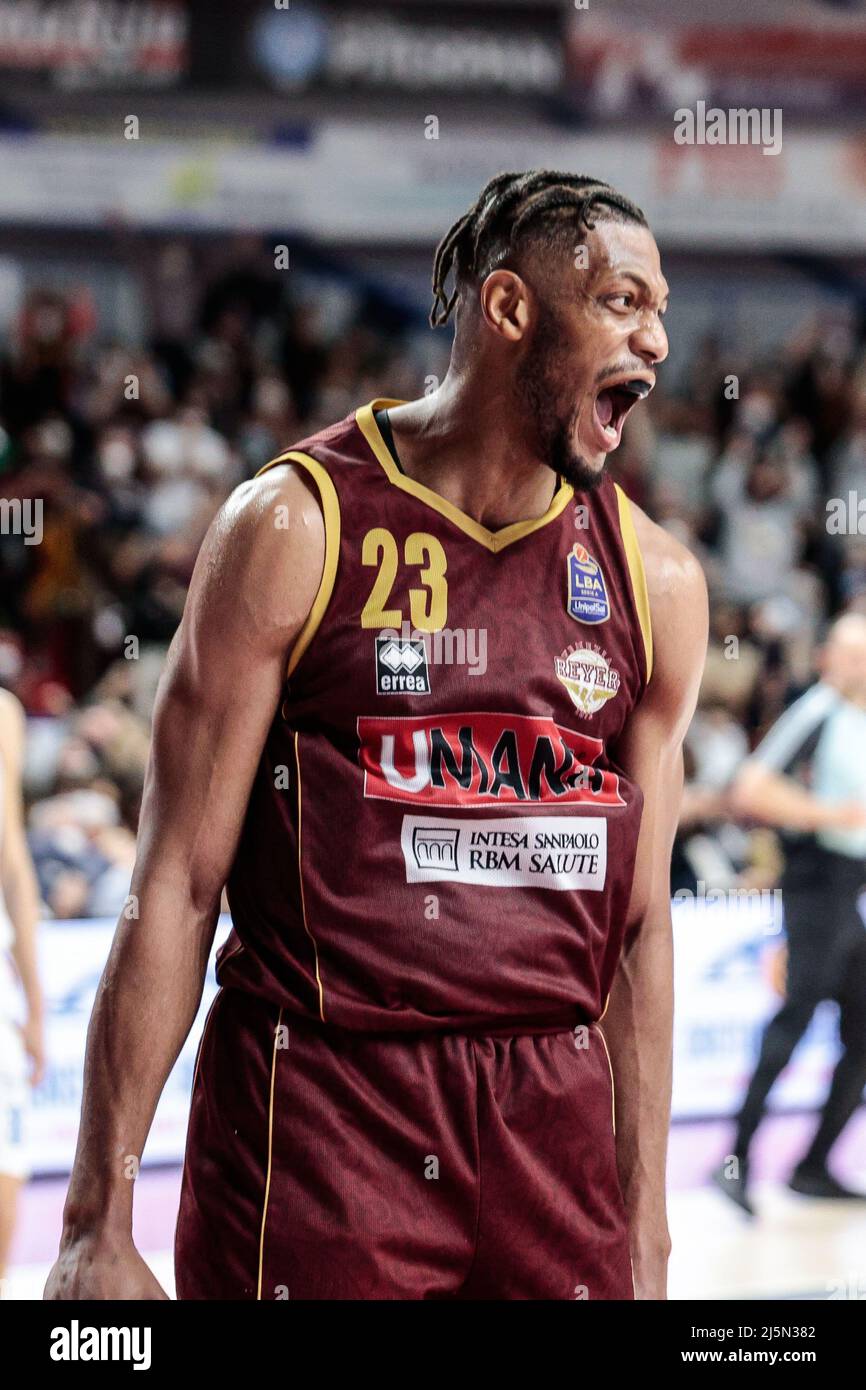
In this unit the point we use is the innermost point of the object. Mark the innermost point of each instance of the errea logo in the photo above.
(77, 1343)
(401, 666)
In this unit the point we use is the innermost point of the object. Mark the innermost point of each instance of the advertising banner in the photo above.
(640, 61)
(726, 979)
(336, 45)
(770, 192)
(94, 43)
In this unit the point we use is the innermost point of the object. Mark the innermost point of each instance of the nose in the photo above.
(650, 341)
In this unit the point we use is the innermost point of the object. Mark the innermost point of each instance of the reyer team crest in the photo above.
(587, 593)
(588, 677)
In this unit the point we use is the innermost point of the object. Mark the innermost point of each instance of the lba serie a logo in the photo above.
(587, 593)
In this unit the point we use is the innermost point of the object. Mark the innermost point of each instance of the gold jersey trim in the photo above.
(331, 513)
(600, 1032)
(612, 1082)
(270, 1155)
(301, 887)
(638, 575)
(493, 540)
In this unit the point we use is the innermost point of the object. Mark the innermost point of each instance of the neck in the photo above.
(468, 442)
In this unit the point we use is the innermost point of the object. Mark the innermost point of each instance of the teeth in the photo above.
(610, 431)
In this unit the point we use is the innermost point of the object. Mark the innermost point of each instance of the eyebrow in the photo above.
(641, 282)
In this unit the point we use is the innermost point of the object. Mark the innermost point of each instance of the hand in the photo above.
(33, 1037)
(100, 1267)
(846, 815)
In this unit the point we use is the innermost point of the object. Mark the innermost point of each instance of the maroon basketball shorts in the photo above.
(324, 1164)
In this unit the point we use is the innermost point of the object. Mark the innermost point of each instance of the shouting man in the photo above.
(441, 878)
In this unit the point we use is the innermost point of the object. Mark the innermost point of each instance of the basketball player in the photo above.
(439, 875)
(21, 1046)
(808, 777)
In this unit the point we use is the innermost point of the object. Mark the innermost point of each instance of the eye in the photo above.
(620, 301)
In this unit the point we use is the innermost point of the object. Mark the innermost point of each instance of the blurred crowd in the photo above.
(739, 458)
(133, 449)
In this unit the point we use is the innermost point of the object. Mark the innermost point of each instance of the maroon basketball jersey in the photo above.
(438, 835)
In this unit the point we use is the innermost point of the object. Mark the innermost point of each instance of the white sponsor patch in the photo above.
(562, 852)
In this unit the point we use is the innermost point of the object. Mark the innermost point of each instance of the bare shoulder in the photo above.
(276, 516)
(677, 592)
(673, 575)
(262, 560)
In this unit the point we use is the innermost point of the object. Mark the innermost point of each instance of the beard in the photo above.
(551, 420)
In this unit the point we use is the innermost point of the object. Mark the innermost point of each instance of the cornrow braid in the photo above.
(453, 245)
(501, 214)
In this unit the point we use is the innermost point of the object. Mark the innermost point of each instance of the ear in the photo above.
(504, 300)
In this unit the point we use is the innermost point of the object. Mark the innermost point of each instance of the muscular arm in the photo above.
(638, 1024)
(252, 589)
(17, 876)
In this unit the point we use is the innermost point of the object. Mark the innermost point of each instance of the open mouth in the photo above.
(612, 405)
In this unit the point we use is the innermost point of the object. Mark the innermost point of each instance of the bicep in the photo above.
(252, 590)
(207, 740)
(652, 756)
(650, 750)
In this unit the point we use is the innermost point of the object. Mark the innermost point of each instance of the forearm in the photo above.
(22, 902)
(638, 1027)
(639, 1020)
(780, 801)
(146, 1004)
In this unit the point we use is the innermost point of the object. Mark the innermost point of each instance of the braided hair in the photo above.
(485, 235)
